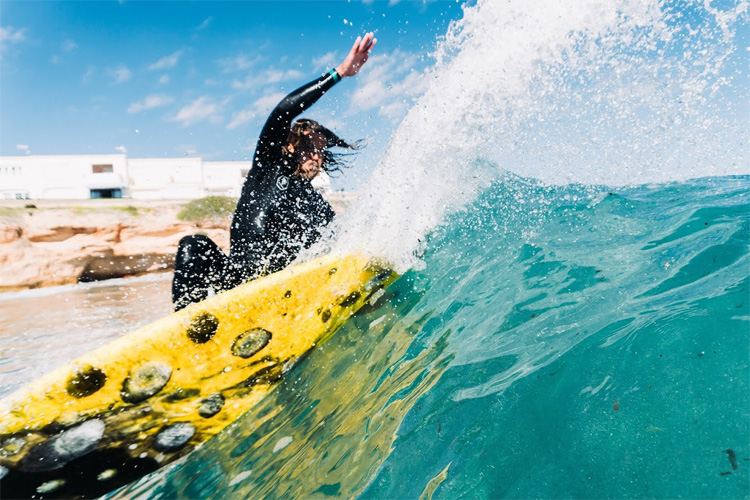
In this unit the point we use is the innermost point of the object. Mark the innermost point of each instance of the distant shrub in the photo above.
(9, 212)
(210, 207)
(128, 209)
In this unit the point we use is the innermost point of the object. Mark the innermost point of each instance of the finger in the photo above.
(367, 42)
(355, 47)
(374, 41)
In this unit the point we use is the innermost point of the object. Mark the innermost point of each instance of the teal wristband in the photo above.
(335, 75)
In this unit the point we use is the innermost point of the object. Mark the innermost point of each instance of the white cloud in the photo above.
(169, 61)
(149, 102)
(274, 76)
(121, 149)
(241, 117)
(88, 75)
(203, 108)
(119, 74)
(394, 109)
(268, 101)
(247, 83)
(164, 79)
(326, 61)
(24, 147)
(237, 63)
(387, 83)
(10, 35)
(334, 123)
(69, 45)
(369, 95)
(205, 23)
(186, 149)
(261, 106)
(66, 47)
(268, 77)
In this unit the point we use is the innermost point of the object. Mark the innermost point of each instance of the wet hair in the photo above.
(300, 138)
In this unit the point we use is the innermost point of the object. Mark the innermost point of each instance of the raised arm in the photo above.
(276, 129)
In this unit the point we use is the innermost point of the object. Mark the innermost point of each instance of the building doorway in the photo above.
(106, 193)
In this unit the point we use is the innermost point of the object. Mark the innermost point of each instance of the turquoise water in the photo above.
(547, 340)
(559, 342)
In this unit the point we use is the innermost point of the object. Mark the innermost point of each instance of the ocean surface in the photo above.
(558, 342)
(568, 203)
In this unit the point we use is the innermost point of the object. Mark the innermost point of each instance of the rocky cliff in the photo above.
(57, 245)
(47, 243)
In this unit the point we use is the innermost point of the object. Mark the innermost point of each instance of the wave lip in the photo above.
(593, 93)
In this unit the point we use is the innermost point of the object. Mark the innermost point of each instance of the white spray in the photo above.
(588, 91)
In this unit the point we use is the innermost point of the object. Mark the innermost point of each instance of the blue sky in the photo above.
(186, 78)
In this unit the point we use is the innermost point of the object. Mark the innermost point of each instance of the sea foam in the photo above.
(591, 92)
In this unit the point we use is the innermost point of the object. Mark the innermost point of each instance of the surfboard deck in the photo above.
(152, 396)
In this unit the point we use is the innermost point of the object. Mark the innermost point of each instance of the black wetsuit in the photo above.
(277, 215)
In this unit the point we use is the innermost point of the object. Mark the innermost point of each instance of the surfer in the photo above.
(279, 212)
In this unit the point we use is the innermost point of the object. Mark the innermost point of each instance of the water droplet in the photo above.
(283, 443)
(107, 474)
(50, 486)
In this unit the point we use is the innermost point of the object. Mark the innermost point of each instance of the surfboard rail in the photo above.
(152, 396)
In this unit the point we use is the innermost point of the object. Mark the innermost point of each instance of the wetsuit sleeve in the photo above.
(276, 129)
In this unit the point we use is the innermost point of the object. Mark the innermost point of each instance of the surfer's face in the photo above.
(311, 157)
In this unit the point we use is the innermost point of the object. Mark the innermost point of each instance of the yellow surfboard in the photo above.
(152, 396)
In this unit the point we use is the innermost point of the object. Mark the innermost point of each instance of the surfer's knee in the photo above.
(195, 241)
(191, 246)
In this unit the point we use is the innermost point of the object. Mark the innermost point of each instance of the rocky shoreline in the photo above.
(58, 243)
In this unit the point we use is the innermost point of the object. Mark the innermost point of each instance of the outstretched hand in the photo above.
(358, 55)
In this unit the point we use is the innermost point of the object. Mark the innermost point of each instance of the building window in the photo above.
(106, 193)
(101, 169)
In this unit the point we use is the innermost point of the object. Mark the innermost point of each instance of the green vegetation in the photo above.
(9, 211)
(78, 210)
(210, 207)
(129, 209)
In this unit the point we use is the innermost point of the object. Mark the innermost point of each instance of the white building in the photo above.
(117, 176)
(63, 177)
(165, 178)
